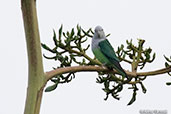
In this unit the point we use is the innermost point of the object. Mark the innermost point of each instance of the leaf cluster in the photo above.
(168, 64)
(136, 56)
(70, 49)
(114, 85)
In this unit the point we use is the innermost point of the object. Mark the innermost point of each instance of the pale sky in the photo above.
(124, 19)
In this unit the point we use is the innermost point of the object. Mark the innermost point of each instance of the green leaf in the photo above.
(115, 96)
(64, 35)
(168, 83)
(84, 31)
(122, 46)
(54, 57)
(166, 64)
(54, 80)
(169, 60)
(133, 98)
(84, 40)
(149, 50)
(169, 73)
(119, 89)
(52, 87)
(54, 38)
(143, 87)
(147, 54)
(60, 33)
(124, 55)
(106, 84)
(154, 56)
(86, 48)
(107, 35)
(47, 48)
(83, 62)
(143, 78)
(106, 90)
(68, 34)
(78, 30)
(72, 32)
(91, 31)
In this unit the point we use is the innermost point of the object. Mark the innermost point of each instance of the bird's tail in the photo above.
(121, 71)
(118, 68)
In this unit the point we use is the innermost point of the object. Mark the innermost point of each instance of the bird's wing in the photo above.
(108, 51)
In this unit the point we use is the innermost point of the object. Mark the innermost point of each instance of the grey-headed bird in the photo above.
(104, 52)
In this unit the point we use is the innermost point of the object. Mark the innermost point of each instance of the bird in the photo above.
(104, 52)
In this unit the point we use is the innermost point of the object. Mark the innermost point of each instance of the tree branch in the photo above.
(81, 54)
(155, 72)
(59, 71)
(35, 74)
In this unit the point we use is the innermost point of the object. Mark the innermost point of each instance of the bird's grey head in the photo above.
(99, 33)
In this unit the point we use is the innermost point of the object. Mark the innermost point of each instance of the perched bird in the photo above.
(104, 52)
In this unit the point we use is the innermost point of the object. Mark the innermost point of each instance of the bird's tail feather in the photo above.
(118, 68)
(121, 71)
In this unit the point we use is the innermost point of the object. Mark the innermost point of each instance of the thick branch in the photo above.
(36, 73)
(59, 71)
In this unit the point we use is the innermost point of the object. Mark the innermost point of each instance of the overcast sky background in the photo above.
(124, 19)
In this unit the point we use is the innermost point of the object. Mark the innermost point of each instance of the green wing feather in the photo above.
(108, 51)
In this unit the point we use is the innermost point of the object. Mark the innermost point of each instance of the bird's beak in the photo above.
(99, 34)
